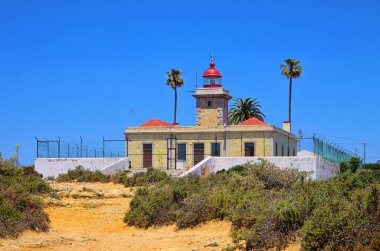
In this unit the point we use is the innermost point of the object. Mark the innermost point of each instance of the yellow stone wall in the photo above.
(234, 147)
(208, 117)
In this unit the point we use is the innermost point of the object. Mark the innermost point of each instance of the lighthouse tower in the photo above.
(212, 99)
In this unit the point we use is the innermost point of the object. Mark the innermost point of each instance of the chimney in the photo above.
(286, 126)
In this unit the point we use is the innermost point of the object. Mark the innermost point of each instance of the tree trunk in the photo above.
(290, 105)
(175, 106)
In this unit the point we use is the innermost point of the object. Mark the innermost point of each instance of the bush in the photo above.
(151, 206)
(274, 177)
(372, 166)
(352, 165)
(150, 177)
(20, 209)
(267, 206)
(121, 177)
(287, 216)
(83, 175)
(194, 211)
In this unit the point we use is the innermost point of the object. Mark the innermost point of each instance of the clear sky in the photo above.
(92, 68)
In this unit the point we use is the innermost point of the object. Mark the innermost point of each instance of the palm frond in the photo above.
(243, 109)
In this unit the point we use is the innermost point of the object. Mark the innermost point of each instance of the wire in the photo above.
(345, 138)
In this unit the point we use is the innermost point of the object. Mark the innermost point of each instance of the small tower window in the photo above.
(212, 81)
(209, 103)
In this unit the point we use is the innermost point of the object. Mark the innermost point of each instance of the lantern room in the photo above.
(212, 77)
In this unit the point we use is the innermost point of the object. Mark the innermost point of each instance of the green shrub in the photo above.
(352, 165)
(287, 216)
(121, 177)
(237, 169)
(267, 206)
(20, 209)
(272, 176)
(372, 166)
(194, 211)
(344, 166)
(145, 178)
(83, 175)
(151, 206)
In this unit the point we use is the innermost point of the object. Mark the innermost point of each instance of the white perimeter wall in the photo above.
(55, 166)
(319, 168)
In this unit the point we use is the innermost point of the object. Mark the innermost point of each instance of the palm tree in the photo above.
(174, 80)
(291, 69)
(242, 110)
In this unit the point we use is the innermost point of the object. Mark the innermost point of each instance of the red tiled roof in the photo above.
(156, 122)
(253, 121)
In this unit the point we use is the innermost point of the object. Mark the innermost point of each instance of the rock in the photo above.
(212, 244)
(231, 247)
(13, 247)
(35, 244)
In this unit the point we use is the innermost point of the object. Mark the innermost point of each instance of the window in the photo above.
(282, 150)
(212, 81)
(249, 149)
(209, 103)
(181, 152)
(294, 152)
(276, 150)
(215, 149)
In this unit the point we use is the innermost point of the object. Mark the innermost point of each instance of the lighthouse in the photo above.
(212, 99)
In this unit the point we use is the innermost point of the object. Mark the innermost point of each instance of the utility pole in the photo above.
(17, 147)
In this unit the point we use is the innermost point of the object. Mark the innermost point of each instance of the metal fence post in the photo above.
(37, 146)
(103, 146)
(81, 146)
(59, 147)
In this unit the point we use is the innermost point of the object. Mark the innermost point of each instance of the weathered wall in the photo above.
(326, 169)
(283, 143)
(231, 139)
(231, 145)
(319, 168)
(55, 166)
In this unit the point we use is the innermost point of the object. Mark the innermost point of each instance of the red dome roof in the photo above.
(212, 72)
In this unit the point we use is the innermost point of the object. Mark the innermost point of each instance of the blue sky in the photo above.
(92, 68)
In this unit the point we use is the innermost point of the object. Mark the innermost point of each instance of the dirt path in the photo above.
(90, 217)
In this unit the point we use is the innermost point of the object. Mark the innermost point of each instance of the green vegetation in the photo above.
(243, 109)
(80, 174)
(352, 165)
(268, 207)
(20, 205)
(372, 166)
(83, 175)
(152, 176)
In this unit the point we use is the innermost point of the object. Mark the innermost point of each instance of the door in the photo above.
(249, 149)
(199, 152)
(147, 155)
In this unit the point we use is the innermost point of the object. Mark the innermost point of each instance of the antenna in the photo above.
(212, 58)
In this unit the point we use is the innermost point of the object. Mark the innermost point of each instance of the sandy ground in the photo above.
(90, 217)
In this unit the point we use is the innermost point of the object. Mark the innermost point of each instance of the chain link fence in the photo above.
(324, 148)
(79, 148)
